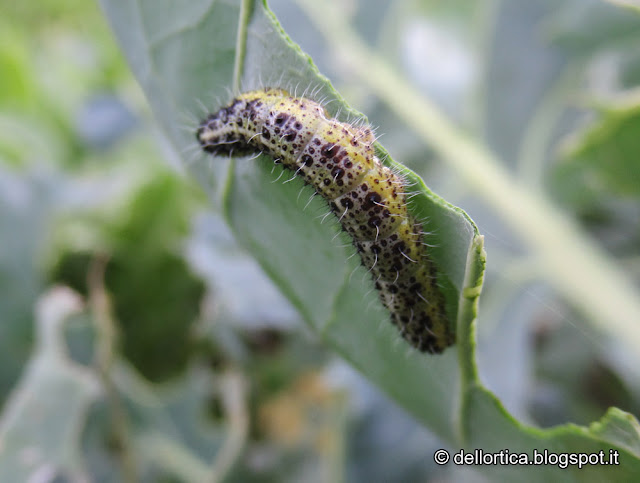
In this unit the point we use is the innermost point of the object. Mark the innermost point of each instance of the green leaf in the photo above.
(168, 432)
(203, 50)
(156, 298)
(184, 58)
(40, 426)
(490, 428)
(605, 154)
(27, 203)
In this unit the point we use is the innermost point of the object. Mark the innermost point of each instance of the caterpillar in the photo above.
(339, 161)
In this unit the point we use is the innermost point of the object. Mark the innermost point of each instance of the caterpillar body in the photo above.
(369, 199)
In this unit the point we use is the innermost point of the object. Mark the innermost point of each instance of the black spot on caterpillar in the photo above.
(369, 199)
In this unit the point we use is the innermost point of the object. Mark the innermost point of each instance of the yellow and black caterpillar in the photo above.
(369, 199)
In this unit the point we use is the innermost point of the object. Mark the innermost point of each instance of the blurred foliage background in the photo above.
(168, 356)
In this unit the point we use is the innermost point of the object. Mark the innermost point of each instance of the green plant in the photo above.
(214, 48)
(175, 360)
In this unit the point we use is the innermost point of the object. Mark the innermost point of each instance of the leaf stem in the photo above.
(246, 7)
(468, 311)
(234, 394)
(104, 358)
